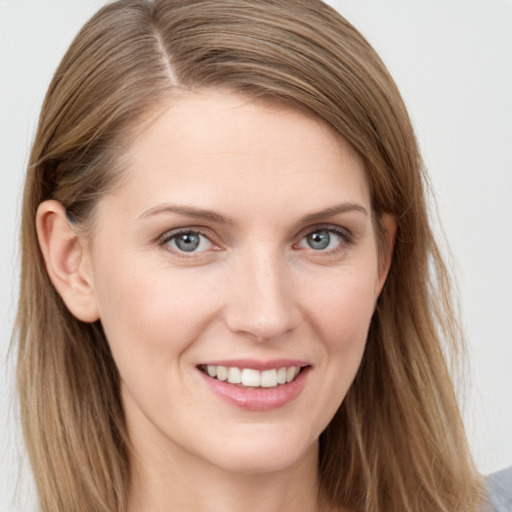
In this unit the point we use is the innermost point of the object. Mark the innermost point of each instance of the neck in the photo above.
(179, 481)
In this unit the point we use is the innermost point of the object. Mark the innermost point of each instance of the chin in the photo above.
(263, 452)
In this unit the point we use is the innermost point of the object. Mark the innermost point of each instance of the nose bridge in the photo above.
(261, 303)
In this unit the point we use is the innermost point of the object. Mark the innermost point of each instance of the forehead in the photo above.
(210, 146)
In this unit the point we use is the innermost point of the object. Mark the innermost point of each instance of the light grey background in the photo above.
(452, 60)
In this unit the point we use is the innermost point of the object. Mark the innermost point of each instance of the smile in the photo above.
(256, 385)
(251, 377)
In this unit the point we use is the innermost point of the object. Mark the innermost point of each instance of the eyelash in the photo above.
(346, 239)
(167, 237)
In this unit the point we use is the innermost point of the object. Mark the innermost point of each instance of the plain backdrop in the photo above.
(452, 60)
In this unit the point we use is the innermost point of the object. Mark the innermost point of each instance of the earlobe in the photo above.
(389, 226)
(67, 260)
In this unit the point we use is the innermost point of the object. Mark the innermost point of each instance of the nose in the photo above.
(261, 303)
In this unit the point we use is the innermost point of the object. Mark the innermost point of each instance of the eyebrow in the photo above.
(334, 210)
(211, 216)
(188, 211)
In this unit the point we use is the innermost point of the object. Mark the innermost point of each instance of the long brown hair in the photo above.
(397, 442)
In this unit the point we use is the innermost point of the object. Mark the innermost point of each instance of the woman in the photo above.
(230, 291)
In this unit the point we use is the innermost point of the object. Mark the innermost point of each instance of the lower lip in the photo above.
(258, 399)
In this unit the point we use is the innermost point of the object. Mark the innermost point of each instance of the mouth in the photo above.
(251, 377)
(254, 385)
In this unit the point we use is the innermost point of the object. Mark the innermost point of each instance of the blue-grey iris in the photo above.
(319, 239)
(187, 242)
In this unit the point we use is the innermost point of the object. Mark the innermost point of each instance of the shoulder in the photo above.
(499, 490)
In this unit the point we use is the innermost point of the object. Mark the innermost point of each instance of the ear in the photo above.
(389, 228)
(67, 260)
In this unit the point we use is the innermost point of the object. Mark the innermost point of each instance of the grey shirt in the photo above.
(499, 490)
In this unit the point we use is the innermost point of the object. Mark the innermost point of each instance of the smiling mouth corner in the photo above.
(252, 378)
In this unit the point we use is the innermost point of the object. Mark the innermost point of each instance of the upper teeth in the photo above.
(254, 378)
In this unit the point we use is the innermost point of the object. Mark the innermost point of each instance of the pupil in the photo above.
(187, 242)
(319, 239)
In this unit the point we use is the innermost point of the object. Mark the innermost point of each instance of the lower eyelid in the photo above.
(345, 237)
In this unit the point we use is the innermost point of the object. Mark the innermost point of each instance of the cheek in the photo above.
(149, 315)
(341, 310)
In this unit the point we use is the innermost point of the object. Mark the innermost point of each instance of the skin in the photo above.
(254, 288)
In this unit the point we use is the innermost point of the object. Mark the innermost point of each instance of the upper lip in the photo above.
(256, 364)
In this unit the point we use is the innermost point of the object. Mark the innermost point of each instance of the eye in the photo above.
(323, 239)
(188, 241)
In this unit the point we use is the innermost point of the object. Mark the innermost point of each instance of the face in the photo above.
(235, 273)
